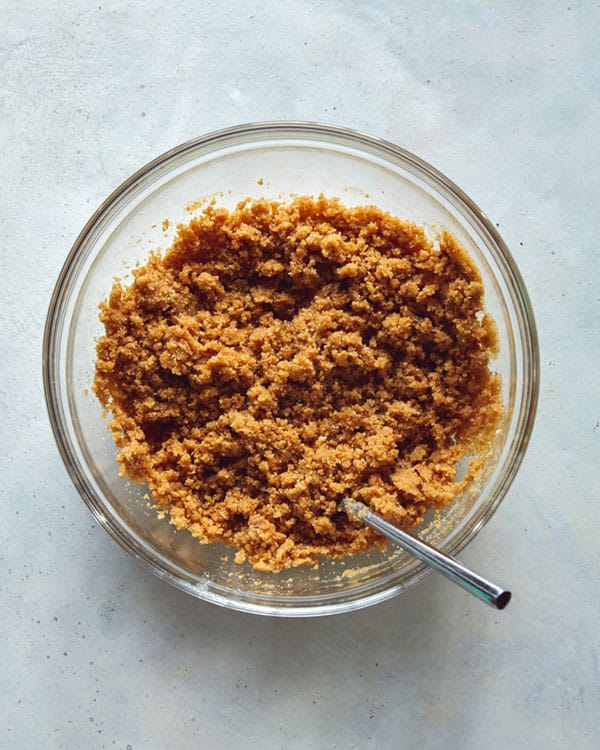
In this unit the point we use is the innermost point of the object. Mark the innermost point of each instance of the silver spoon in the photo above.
(488, 592)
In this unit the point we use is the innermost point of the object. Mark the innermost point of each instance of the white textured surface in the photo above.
(95, 652)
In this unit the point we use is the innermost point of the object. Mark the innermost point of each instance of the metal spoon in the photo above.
(488, 592)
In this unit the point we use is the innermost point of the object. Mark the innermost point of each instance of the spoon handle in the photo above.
(489, 593)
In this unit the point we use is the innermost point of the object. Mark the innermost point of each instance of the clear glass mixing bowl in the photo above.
(287, 158)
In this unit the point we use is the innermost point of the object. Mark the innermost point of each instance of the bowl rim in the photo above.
(308, 129)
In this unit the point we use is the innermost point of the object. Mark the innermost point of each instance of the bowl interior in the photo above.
(230, 167)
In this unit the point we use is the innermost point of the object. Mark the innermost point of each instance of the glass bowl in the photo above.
(273, 160)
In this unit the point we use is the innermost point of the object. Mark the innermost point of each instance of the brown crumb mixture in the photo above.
(281, 356)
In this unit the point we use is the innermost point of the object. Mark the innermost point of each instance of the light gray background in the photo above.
(95, 651)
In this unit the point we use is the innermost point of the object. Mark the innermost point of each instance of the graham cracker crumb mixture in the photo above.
(283, 355)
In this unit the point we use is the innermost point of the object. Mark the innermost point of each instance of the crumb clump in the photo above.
(283, 355)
